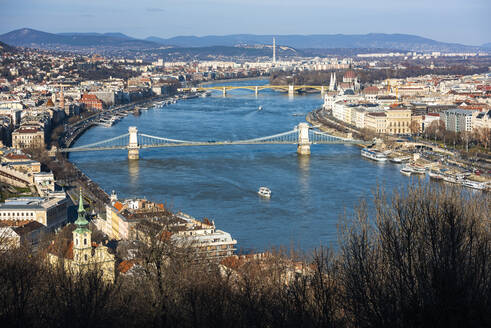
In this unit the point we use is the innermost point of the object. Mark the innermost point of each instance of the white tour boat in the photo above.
(374, 155)
(474, 184)
(264, 192)
(400, 160)
(406, 171)
(260, 108)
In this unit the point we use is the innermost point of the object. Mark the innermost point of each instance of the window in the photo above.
(85, 256)
(85, 241)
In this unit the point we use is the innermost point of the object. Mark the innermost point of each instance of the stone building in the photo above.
(398, 121)
(82, 254)
(376, 122)
(27, 137)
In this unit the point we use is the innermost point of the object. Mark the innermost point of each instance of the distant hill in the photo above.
(110, 34)
(6, 48)
(37, 39)
(486, 45)
(320, 41)
(95, 41)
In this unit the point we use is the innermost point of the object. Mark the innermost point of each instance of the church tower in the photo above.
(82, 243)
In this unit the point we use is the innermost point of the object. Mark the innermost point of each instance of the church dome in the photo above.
(349, 75)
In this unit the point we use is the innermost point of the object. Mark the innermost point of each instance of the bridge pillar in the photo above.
(323, 90)
(291, 89)
(224, 91)
(133, 148)
(256, 91)
(303, 147)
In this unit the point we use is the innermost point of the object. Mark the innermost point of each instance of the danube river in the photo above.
(309, 194)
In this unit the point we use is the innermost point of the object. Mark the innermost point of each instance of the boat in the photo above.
(374, 155)
(400, 160)
(474, 184)
(435, 175)
(406, 171)
(297, 114)
(260, 108)
(450, 178)
(264, 192)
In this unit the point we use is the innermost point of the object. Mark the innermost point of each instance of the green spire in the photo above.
(81, 221)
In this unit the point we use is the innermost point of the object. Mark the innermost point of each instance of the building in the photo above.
(22, 163)
(481, 120)
(91, 101)
(81, 254)
(376, 122)
(15, 236)
(457, 120)
(49, 211)
(428, 119)
(398, 121)
(28, 137)
(209, 242)
(140, 219)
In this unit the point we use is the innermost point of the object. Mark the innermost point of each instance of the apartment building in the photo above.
(457, 120)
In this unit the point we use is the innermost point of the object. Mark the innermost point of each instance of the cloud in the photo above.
(155, 10)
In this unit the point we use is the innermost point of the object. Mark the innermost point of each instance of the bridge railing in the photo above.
(119, 142)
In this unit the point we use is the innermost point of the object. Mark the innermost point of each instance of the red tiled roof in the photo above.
(126, 265)
(118, 206)
(16, 156)
(349, 74)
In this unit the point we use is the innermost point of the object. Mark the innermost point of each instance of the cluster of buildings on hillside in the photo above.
(409, 106)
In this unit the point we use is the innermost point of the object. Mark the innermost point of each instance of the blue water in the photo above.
(309, 194)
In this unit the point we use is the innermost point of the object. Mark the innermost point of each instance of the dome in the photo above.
(349, 75)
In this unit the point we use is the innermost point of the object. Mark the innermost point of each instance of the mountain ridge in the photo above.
(27, 37)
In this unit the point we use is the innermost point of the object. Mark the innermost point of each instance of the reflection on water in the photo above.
(304, 167)
(133, 169)
(308, 193)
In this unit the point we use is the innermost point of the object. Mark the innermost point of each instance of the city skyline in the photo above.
(446, 21)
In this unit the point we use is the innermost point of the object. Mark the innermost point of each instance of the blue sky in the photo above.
(466, 22)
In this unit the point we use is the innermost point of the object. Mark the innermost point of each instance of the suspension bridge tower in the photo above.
(303, 147)
(133, 148)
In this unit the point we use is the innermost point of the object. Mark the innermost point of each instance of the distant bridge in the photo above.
(256, 88)
(301, 135)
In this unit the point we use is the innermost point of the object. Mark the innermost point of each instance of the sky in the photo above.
(466, 22)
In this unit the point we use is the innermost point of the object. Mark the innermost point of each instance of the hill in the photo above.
(37, 39)
(320, 41)
(6, 48)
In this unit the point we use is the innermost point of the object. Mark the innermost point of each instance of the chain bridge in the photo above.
(301, 135)
(256, 88)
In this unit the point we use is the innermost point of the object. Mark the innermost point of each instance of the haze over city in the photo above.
(455, 21)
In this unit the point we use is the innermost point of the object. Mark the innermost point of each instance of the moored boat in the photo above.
(406, 171)
(373, 155)
(474, 184)
(435, 175)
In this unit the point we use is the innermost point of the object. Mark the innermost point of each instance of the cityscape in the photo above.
(189, 177)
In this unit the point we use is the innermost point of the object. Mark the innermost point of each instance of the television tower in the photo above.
(274, 51)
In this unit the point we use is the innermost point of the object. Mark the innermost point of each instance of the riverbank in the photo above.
(418, 153)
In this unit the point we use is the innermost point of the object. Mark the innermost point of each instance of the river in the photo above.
(309, 194)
